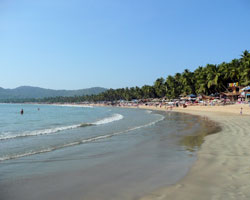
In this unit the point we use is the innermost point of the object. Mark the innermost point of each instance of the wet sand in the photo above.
(222, 170)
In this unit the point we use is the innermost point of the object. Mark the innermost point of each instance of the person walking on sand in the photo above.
(241, 110)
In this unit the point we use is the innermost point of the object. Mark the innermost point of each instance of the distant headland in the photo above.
(29, 92)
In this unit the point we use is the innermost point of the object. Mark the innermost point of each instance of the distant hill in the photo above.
(24, 92)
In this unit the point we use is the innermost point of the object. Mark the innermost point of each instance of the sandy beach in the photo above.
(222, 170)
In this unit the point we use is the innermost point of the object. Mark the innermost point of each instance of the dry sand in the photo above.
(222, 170)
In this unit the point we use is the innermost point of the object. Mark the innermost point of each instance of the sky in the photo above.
(75, 44)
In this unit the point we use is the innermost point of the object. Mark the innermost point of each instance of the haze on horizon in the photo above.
(114, 43)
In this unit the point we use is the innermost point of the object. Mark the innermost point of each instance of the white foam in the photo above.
(30, 153)
(73, 105)
(113, 118)
(38, 132)
(77, 142)
(49, 131)
(25, 154)
(142, 126)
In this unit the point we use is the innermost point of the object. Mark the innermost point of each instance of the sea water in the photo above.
(70, 152)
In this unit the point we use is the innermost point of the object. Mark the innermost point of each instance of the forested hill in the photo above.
(26, 92)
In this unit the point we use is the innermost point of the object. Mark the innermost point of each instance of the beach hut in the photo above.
(233, 96)
(233, 92)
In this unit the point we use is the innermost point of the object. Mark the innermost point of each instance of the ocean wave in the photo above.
(49, 131)
(97, 138)
(30, 153)
(72, 105)
(38, 132)
(10, 157)
(113, 118)
(142, 126)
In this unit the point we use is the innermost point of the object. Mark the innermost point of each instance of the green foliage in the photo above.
(204, 80)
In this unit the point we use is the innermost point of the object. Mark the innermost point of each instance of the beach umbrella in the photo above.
(191, 95)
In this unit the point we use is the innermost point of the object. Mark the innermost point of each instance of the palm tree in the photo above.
(178, 84)
(170, 87)
(245, 67)
(214, 78)
(148, 91)
(160, 88)
(200, 78)
(188, 83)
(234, 73)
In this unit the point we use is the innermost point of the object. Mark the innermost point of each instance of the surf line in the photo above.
(97, 138)
(49, 131)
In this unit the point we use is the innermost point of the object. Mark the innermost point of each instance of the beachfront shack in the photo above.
(233, 96)
(233, 92)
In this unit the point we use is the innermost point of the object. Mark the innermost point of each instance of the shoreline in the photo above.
(221, 170)
(146, 173)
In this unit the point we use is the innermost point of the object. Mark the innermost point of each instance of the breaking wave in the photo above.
(30, 153)
(107, 120)
(73, 105)
(6, 136)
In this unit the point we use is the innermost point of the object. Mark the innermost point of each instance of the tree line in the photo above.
(206, 80)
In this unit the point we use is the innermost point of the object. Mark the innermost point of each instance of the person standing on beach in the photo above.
(241, 110)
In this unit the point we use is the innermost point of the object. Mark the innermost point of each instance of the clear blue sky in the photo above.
(73, 44)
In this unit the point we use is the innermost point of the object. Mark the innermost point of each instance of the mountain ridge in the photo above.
(25, 92)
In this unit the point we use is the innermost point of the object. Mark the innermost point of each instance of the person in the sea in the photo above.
(21, 111)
